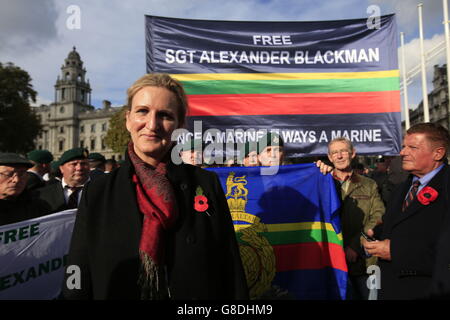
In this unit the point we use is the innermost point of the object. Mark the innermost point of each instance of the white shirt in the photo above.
(68, 191)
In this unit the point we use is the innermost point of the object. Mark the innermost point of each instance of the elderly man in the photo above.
(361, 208)
(408, 243)
(16, 203)
(41, 160)
(74, 166)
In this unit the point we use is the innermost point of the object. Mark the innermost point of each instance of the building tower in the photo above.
(72, 97)
(70, 120)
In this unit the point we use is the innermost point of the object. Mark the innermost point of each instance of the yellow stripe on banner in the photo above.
(280, 227)
(286, 76)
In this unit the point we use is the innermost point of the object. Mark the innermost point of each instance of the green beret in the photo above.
(270, 139)
(54, 165)
(191, 144)
(250, 147)
(40, 156)
(95, 156)
(73, 154)
(14, 159)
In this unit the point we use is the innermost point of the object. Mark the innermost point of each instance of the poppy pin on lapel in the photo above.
(427, 195)
(201, 201)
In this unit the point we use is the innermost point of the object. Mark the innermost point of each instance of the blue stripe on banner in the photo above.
(324, 284)
(308, 135)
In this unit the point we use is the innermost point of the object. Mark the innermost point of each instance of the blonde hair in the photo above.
(161, 80)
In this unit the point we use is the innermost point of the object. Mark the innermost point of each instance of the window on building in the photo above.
(103, 144)
(92, 144)
(61, 129)
(103, 127)
(63, 94)
(93, 127)
(82, 129)
(61, 145)
(61, 110)
(40, 147)
(81, 143)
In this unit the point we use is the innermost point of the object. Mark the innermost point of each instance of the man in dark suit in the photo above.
(41, 160)
(410, 245)
(97, 165)
(66, 194)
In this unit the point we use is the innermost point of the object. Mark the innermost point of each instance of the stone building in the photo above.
(71, 121)
(437, 100)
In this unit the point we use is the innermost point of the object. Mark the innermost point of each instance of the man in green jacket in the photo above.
(361, 210)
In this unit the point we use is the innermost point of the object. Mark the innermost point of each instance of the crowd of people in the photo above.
(138, 234)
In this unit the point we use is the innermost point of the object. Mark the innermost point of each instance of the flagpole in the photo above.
(426, 112)
(405, 85)
(447, 45)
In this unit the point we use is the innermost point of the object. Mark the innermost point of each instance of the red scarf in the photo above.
(156, 200)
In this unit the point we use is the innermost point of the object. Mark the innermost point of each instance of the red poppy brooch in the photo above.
(427, 195)
(201, 201)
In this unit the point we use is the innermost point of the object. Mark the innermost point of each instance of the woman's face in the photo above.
(151, 121)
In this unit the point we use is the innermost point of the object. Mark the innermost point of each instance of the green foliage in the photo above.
(117, 137)
(19, 125)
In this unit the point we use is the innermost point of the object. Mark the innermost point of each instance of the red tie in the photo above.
(411, 195)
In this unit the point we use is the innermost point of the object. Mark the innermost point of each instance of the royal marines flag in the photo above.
(289, 232)
(308, 81)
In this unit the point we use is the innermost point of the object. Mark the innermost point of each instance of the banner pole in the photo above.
(447, 46)
(426, 112)
(405, 84)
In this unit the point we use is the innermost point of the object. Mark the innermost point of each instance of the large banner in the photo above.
(309, 81)
(33, 255)
(289, 231)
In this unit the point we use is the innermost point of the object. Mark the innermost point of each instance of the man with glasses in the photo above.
(361, 210)
(16, 204)
(74, 166)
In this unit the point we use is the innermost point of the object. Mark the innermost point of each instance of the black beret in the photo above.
(14, 159)
(73, 154)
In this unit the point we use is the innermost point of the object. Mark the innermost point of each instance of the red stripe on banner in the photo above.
(310, 255)
(294, 103)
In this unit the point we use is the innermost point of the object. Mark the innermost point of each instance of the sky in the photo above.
(111, 40)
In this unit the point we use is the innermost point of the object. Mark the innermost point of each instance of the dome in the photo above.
(74, 55)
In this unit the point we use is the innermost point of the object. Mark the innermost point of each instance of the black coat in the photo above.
(203, 260)
(414, 241)
(34, 182)
(22, 208)
(53, 196)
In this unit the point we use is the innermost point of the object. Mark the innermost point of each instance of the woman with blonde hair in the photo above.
(153, 229)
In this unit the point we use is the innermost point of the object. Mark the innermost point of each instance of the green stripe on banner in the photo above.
(291, 86)
(300, 236)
